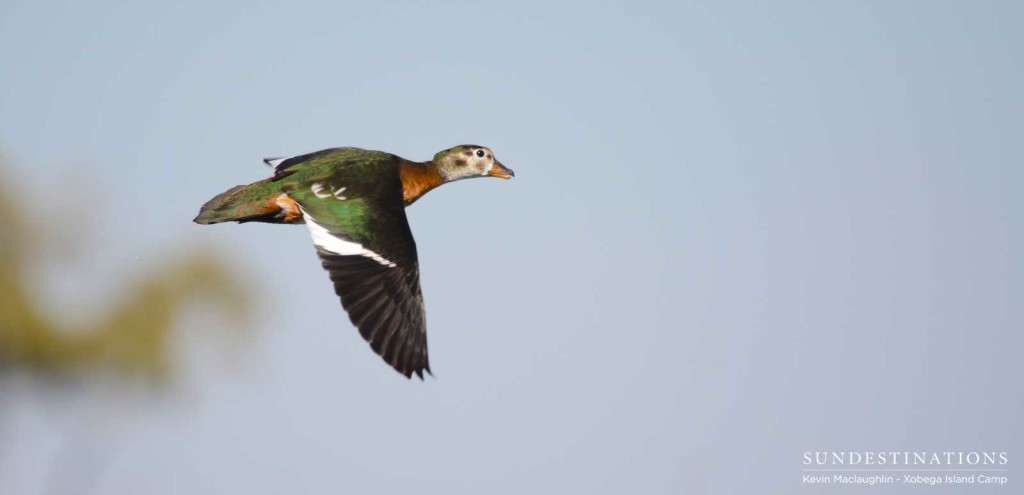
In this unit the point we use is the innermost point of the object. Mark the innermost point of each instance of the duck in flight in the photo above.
(353, 202)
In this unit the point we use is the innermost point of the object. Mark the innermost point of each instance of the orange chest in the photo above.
(417, 180)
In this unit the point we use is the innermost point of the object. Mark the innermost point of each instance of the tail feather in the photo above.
(246, 203)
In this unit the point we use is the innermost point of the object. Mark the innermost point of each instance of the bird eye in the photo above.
(480, 153)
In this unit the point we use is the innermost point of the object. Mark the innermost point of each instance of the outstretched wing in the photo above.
(363, 239)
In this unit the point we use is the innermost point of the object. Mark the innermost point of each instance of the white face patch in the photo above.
(476, 166)
(324, 240)
(337, 192)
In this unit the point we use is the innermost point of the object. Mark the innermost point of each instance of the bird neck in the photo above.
(418, 179)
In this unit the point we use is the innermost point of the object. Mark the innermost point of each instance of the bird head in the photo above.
(469, 160)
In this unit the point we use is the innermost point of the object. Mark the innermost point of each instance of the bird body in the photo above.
(353, 202)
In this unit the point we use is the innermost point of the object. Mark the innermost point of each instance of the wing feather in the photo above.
(364, 242)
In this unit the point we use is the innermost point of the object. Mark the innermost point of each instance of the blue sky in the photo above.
(736, 233)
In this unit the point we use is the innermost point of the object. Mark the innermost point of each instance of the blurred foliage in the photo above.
(131, 338)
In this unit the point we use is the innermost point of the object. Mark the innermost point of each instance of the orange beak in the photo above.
(499, 170)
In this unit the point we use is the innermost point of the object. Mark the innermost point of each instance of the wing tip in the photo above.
(419, 373)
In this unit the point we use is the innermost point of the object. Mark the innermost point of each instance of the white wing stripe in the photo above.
(324, 240)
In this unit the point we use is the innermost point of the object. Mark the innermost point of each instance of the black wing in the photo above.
(386, 304)
(364, 242)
